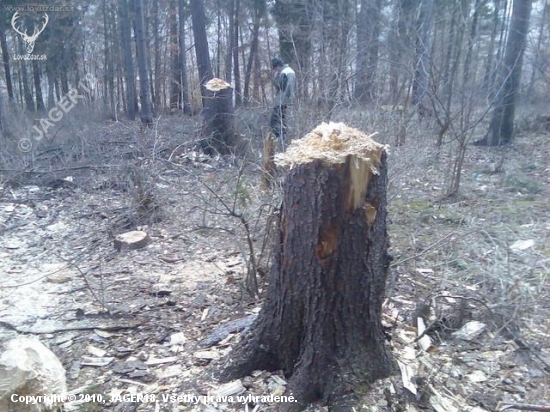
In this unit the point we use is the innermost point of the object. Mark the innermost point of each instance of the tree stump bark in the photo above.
(218, 118)
(268, 161)
(320, 323)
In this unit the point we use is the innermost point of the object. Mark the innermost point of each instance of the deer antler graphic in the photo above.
(26, 38)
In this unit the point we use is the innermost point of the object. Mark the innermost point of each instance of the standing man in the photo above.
(284, 80)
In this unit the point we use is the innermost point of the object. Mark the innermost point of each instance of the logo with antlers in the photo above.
(29, 40)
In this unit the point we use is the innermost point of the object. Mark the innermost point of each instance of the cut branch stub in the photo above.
(320, 323)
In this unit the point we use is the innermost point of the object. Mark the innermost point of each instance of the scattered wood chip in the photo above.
(96, 361)
(520, 245)
(135, 239)
(425, 271)
(231, 388)
(128, 366)
(159, 361)
(276, 385)
(95, 351)
(177, 339)
(470, 330)
(407, 373)
(477, 376)
(425, 342)
(207, 354)
(441, 403)
(59, 278)
(160, 290)
(170, 258)
(104, 333)
(170, 372)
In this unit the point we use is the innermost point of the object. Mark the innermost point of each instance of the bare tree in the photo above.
(145, 113)
(125, 34)
(235, 50)
(175, 62)
(157, 62)
(501, 129)
(6, 60)
(259, 8)
(183, 59)
(537, 52)
(368, 31)
(108, 73)
(202, 52)
(423, 50)
(37, 86)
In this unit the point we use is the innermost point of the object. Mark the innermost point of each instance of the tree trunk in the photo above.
(537, 52)
(175, 86)
(51, 85)
(393, 56)
(218, 128)
(29, 102)
(145, 113)
(125, 34)
(229, 54)
(108, 76)
(219, 38)
(183, 59)
(320, 323)
(488, 73)
(466, 76)
(501, 129)
(503, 21)
(368, 31)
(252, 55)
(402, 46)
(423, 48)
(201, 43)
(1, 116)
(150, 68)
(37, 86)
(235, 47)
(6, 59)
(157, 71)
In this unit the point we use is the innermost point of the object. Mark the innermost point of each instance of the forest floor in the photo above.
(134, 321)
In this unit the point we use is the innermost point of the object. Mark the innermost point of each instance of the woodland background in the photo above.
(468, 223)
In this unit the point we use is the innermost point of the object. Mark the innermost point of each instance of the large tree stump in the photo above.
(320, 323)
(218, 118)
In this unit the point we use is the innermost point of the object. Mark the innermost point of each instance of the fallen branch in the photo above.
(134, 323)
(525, 407)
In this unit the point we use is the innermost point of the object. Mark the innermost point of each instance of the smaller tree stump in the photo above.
(135, 239)
(218, 127)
